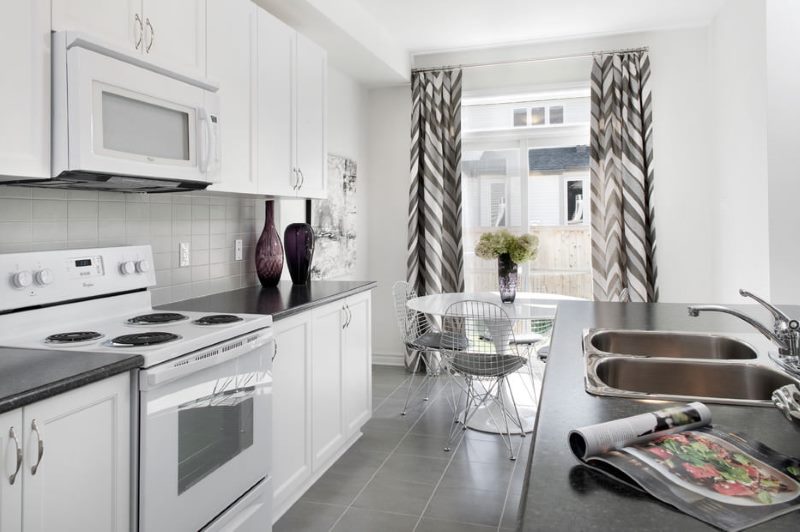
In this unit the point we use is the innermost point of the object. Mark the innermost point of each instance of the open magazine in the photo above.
(675, 455)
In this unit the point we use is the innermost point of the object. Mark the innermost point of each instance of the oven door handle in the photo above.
(204, 358)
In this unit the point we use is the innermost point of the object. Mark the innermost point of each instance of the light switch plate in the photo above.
(184, 255)
(237, 249)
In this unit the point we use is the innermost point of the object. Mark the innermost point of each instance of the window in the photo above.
(529, 178)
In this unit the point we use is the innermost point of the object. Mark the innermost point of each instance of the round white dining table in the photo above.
(523, 384)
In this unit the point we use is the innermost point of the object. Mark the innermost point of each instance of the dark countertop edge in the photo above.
(69, 383)
(368, 285)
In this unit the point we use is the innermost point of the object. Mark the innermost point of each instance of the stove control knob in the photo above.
(22, 279)
(43, 277)
(127, 268)
(143, 266)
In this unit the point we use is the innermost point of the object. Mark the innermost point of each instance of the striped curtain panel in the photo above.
(435, 250)
(621, 146)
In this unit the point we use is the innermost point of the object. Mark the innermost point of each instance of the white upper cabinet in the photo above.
(175, 33)
(291, 111)
(172, 32)
(276, 173)
(25, 87)
(231, 62)
(310, 83)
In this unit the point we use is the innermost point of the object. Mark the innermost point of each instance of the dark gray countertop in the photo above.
(560, 494)
(280, 301)
(30, 375)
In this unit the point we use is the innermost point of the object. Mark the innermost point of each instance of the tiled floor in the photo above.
(397, 478)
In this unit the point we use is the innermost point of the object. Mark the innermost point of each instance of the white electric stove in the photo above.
(204, 408)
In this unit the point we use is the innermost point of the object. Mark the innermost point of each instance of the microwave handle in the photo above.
(213, 143)
(204, 151)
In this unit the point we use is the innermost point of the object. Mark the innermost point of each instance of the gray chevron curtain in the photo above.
(435, 250)
(621, 146)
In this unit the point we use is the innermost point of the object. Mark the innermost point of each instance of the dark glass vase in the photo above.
(269, 250)
(299, 242)
(507, 278)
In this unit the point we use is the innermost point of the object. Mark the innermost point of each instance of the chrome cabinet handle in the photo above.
(296, 177)
(302, 178)
(152, 35)
(349, 316)
(274, 349)
(13, 435)
(35, 428)
(138, 20)
(344, 310)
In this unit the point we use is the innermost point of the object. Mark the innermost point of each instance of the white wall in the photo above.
(347, 136)
(388, 149)
(741, 254)
(783, 136)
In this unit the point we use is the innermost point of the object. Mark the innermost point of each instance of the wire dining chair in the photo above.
(421, 335)
(491, 355)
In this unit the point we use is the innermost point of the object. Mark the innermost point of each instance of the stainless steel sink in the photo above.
(670, 344)
(679, 366)
(671, 379)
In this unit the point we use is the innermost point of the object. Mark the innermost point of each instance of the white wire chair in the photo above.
(420, 335)
(491, 355)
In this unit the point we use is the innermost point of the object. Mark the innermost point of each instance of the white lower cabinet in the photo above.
(322, 392)
(75, 469)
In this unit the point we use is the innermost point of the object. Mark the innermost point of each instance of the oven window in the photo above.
(142, 128)
(211, 432)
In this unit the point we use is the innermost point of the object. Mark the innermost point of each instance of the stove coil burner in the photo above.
(157, 318)
(144, 339)
(217, 319)
(73, 337)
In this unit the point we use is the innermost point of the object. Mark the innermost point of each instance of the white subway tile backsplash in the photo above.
(33, 219)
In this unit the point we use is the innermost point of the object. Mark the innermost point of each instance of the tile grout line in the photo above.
(391, 453)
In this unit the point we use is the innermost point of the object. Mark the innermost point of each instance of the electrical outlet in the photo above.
(184, 255)
(237, 249)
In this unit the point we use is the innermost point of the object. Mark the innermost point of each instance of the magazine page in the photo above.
(604, 437)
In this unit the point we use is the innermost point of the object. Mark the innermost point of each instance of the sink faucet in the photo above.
(785, 333)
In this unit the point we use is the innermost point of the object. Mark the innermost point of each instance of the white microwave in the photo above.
(123, 123)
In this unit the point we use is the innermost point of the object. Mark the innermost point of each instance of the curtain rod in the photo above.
(533, 60)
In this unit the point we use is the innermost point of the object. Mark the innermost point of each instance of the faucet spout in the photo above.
(784, 347)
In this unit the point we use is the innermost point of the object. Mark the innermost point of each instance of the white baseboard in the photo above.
(387, 360)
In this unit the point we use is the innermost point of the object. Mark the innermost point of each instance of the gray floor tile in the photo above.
(378, 440)
(477, 449)
(436, 525)
(423, 445)
(358, 463)
(332, 488)
(493, 476)
(511, 510)
(390, 495)
(420, 469)
(435, 421)
(467, 505)
(363, 520)
(309, 517)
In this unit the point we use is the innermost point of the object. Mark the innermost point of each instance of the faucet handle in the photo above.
(781, 319)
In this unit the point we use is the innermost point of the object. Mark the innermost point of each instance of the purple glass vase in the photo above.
(507, 278)
(299, 241)
(269, 250)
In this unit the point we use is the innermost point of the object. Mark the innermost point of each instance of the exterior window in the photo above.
(529, 180)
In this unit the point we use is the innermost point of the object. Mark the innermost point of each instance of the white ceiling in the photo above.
(437, 25)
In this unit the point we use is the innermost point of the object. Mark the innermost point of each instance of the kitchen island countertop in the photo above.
(559, 493)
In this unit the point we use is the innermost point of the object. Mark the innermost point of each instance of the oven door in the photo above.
(204, 432)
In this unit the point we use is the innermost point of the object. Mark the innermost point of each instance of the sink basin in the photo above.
(679, 379)
(670, 344)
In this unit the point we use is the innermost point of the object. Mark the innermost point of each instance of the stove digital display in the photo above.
(80, 263)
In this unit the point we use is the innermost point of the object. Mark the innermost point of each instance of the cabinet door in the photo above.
(81, 442)
(275, 106)
(291, 407)
(311, 75)
(231, 63)
(25, 87)
(10, 494)
(326, 383)
(113, 21)
(175, 33)
(357, 364)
